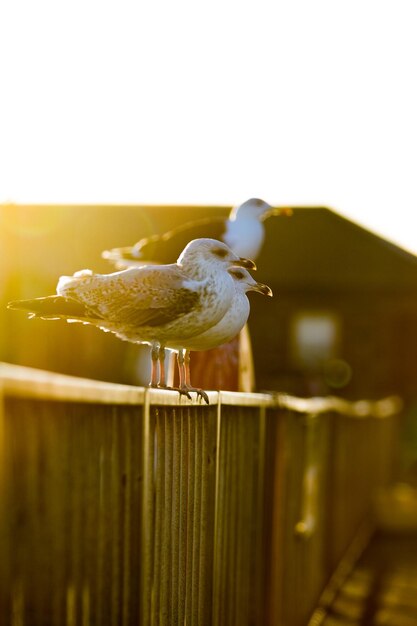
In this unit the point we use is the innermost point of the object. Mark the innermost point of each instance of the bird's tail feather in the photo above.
(51, 307)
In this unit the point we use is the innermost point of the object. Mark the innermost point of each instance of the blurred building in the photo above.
(343, 318)
(344, 314)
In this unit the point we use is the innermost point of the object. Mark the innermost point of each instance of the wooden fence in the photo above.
(123, 506)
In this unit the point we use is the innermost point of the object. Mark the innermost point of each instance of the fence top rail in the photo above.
(21, 381)
(385, 407)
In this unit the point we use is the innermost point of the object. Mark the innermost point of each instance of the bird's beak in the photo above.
(263, 289)
(284, 211)
(246, 263)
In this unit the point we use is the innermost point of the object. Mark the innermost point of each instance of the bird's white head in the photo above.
(213, 252)
(256, 209)
(245, 282)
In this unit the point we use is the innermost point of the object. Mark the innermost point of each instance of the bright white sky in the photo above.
(300, 102)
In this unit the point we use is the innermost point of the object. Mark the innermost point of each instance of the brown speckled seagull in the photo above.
(226, 329)
(149, 304)
(243, 231)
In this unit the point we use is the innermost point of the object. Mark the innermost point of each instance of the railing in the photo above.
(125, 506)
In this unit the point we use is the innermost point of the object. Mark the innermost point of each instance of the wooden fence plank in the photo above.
(125, 506)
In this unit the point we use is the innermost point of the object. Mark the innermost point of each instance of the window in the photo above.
(315, 338)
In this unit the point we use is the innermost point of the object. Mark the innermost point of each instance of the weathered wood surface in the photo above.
(125, 506)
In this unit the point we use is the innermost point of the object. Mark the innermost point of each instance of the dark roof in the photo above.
(316, 247)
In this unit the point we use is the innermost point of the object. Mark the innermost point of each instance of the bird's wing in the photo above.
(166, 248)
(148, 296)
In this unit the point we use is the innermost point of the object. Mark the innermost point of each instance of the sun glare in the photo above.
(126, 105)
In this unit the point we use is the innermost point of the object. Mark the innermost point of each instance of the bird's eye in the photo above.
(220, 252)
(237, 274)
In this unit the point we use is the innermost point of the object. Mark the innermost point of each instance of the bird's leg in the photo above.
(154, 370)
(158, 359)
(185, 382)
(187, 357)
(180, 364)
(162, 378)
(181, 371)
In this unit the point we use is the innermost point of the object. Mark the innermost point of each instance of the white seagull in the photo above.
(242, 231)
(225, 330)
(150, 304)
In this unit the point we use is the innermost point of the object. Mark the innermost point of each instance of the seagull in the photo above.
(242, 231)
(225, 330)
(149, 304)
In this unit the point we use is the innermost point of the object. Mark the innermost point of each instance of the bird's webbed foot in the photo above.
(182, 391)
(200, 392)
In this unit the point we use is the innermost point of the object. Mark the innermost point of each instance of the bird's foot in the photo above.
(182, 391)
(200, 392)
